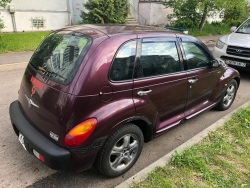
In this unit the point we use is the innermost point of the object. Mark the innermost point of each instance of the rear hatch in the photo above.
(46, 86)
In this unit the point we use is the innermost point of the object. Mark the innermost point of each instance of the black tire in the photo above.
(228, 96)
(126, 145)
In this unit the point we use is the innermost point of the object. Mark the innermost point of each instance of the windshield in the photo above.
(60, 55)
(244, 28)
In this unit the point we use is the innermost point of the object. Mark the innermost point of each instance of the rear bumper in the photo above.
(55, 157)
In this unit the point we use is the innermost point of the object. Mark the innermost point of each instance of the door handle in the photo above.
(141, 93)
(192, 81)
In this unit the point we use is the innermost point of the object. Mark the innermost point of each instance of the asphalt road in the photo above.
(19, 169)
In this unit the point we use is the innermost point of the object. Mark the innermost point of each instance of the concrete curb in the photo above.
(143, 174)
(8, 67)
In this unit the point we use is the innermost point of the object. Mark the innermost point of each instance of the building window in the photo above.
(37, 22)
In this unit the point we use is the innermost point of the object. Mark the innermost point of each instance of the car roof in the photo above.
(96, 31)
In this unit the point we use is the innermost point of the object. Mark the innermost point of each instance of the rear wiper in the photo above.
(49, 73)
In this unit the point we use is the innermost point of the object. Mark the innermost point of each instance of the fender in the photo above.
(145, 125)
(110, 116)
(221, 85)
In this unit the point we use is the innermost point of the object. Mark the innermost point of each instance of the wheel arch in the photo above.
(237, 79)
(144, 124)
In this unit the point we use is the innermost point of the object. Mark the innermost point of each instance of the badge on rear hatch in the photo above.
(54, 136)
(30, 102)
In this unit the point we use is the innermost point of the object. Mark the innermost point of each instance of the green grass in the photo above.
(18, 42)
(211, 29)
(222, 159)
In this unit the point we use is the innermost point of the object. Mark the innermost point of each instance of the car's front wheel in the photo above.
(229, 95)
(121, 151)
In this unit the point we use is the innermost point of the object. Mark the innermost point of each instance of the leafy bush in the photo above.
(105, 11)
(3, 3)
(234, 16)
(217, 23)
(193, 13)
(1, 24)
(215, 28)
(184, 14)
(233, 22)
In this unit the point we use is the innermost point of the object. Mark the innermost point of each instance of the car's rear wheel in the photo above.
(229, 95)
(121, 151)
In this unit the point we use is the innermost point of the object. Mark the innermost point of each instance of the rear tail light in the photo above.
(80, 133)
(38, 155)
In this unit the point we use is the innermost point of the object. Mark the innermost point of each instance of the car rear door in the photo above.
(160, 82)
(202, 77)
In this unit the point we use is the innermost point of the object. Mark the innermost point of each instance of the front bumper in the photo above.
(221, 53)
(55, 157)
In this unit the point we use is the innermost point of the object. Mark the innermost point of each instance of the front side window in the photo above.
(59, 56)
(159, 57)
(245, 28)
(123, 63)
(195, 57)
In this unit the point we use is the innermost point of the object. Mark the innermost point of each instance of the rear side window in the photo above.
(123, 63)
(59, 56)
(159, 57)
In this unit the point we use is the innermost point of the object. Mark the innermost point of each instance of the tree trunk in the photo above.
(204, 17)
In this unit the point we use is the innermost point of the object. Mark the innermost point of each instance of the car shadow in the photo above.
(245, 74)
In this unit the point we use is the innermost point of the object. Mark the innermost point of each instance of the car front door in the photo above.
(202, 77)
(160, 82)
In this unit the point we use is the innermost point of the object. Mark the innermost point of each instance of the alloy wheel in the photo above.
(124, 152)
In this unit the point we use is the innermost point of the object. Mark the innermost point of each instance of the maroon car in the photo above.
(94, 94)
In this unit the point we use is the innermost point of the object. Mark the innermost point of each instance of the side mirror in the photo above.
(215, 63)
(233, 29)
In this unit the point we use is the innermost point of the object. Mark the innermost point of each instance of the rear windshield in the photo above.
(60, 54)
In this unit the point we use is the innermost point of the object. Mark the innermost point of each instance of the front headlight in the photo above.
(220, 44)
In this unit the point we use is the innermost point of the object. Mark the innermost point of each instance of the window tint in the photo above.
(59, 56)
(158, 58)
(123, 64)
(196, 58)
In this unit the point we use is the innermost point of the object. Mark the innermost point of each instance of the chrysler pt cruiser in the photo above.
(94, 94)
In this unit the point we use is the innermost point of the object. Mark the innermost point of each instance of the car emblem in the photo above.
(30, 102)
(238, 51)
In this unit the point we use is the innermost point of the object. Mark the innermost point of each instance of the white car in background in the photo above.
(234, 49)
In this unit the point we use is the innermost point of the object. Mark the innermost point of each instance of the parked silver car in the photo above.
(235, 48)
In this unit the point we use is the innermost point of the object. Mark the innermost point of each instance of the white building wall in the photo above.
(144, 10)
(77, 7)
(159, 14)
(155, 13)
(55, 13)
(215, 17)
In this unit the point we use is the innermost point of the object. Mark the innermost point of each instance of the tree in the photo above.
(105, 11)
(236, 15)
(184, 10)
(185, 13)
(3, 4)
(210, 7)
